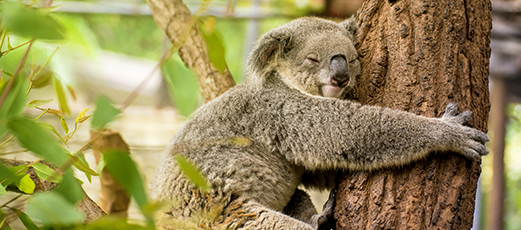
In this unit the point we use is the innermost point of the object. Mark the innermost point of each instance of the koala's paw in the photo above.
(471, 140)
(324, 220)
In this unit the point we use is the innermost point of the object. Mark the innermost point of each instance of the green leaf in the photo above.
(110, 223)
(215, 49)
(9, 47)
(70, 188)
(47, 173)
(81, 164)
(124, 170)
(51, 128)
(36, 103)
(182, 85)
(53, 210)
(64, 125)
(105, 112)
(25, 184)
(34, 138)
(30, 22)
(7, 174)
(43, 79)
(192, 173)
(59, 90)
(14, 102)
(2, 191)
(26, 221)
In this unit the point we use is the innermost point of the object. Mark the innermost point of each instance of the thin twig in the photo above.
(8, 202)
(16, 47)
(11, 81)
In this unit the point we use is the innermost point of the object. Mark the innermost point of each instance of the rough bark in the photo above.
(91, 211)
(418, 56)
(173, 16)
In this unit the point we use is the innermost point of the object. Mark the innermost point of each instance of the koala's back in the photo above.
(226, 139)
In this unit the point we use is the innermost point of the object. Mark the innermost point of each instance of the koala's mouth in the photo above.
(332, 90)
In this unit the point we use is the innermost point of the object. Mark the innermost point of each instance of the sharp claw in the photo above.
(451, 110)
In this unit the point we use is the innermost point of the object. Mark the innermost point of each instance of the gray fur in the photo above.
(260, 140)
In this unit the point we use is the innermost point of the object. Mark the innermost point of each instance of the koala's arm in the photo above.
(343, 134)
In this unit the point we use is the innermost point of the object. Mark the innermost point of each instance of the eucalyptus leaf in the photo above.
(182, 85)
(192, 173)
(25, 184)
(30, 22)
(53, 210)
(215, 49)
(36, 103)
(70, 188)
(2, 190)
(124, 170)
(14, 102)
(26, 220)
(59, 90)
(34, 138)
(47, 173)
(105, 112)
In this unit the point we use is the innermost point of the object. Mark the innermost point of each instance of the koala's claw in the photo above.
(451, 115)
(451, 110)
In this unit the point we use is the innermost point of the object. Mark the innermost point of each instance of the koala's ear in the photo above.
(350, 25)
(268, 47)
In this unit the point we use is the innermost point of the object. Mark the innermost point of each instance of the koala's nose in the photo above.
(339, 71)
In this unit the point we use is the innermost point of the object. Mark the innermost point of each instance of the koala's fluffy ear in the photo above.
(350, 25)
(270, 46)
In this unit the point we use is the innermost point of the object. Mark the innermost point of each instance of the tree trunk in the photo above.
(172, 16)
(418, 56)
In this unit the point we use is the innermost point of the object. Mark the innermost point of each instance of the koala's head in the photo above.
(313, 55)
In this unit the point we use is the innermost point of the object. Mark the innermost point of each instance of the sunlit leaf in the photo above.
(52, 209)
(29, 22)
(81, 116)
(64, 125)
(83, 119)
(47, 173)
(26, 221)
(70, 188)
(34, 138)
(36, 103)
(215, 49)
(2, 191)
(192, 173)
(9, 47)
(60, 94)
(25, 184)
(105, 112)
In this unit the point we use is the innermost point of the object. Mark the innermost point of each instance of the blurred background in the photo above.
(113, 46)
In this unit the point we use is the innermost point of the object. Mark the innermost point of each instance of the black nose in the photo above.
(339, 71)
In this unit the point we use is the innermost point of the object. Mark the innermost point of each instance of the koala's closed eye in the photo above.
(313, 58)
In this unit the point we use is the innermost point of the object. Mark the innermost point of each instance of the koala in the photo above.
(288, 125)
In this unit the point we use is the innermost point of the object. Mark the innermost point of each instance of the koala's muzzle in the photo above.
(339, 71)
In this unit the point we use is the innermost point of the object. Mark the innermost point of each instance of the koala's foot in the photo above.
(325, 220)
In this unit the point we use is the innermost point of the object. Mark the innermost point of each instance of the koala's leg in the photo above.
(268, 219)
(325, 219)
(300, 207)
